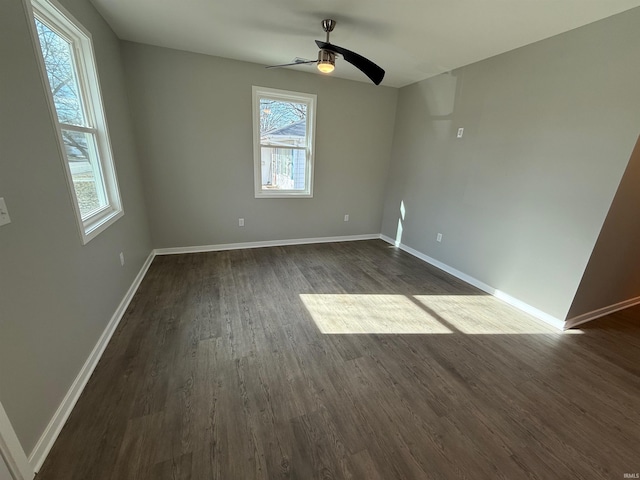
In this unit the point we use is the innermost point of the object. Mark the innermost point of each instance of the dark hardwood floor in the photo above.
(348, 360)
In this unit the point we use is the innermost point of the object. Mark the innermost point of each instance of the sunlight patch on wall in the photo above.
(400, 220)
(399, 234)
(383, 314)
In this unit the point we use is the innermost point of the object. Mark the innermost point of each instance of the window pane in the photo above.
(283, 168)
(283, 123)
(85, 171)
(59, 63)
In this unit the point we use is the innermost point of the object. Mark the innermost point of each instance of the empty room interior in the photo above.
(290, 239)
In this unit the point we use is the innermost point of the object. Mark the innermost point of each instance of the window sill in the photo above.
(283, 195)
(93, 227)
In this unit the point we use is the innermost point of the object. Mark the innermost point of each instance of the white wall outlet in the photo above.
(346, 217)
(439, 237)
(4, 213)
(460, 132)
(122, 259)
(241, 222)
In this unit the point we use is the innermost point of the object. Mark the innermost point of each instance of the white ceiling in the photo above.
(411, 39)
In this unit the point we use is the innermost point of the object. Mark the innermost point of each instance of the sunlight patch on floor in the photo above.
(346, 313)
(482, 314)
(418, 314)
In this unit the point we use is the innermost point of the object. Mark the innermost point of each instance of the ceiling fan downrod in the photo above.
(328, 25)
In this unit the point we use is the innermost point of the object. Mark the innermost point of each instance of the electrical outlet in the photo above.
(122, 259)
(4, 213)
(439, 237)
(241, 222)
(346, 217)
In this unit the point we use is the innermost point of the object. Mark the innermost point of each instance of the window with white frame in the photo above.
(72, 80)
(283, 140)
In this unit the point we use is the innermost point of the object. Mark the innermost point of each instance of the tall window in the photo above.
(72, 80)
(283, 133)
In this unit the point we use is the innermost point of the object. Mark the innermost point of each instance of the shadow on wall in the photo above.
(439, 96)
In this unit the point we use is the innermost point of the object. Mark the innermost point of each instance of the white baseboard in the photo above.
(11, 450)
(266, 243)
(42, 448)
(514, 302)
(601, 312)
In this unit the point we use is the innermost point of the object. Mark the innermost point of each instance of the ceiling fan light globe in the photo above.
(326, 61)
(326, 67)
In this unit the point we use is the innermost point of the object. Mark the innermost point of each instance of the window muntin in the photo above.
(283, 143)
(72, 82)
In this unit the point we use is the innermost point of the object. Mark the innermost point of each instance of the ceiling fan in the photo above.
(327, 57)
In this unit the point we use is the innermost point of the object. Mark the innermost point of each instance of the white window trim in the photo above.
(53, 13)
(287, 96)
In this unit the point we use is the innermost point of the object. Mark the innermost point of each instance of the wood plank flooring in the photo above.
(347, 361)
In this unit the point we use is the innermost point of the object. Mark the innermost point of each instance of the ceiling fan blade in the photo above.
(289, 64)
(370, 69)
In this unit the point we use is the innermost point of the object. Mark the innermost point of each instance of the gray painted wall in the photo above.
(193, 122)
(56, 296)
(612, 274)
(522, 196)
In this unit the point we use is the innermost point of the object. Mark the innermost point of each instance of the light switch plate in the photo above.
(4, 213)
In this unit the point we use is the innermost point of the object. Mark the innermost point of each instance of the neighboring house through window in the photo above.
(283, 130)
(74, 94)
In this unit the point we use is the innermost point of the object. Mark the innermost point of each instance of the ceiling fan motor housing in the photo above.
(325, 56)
